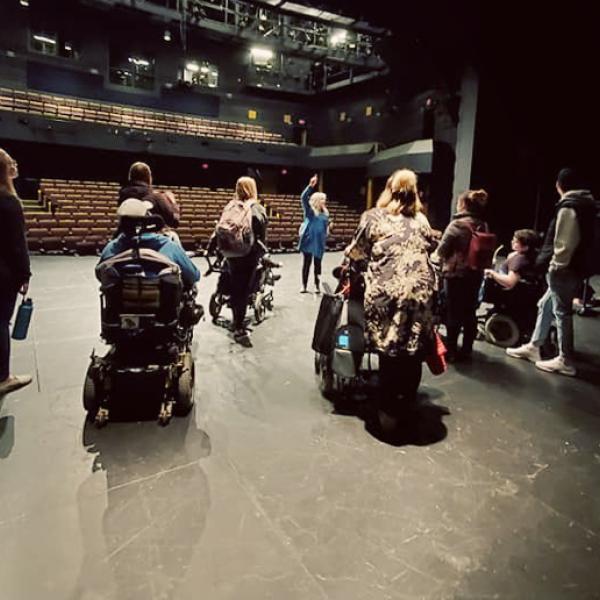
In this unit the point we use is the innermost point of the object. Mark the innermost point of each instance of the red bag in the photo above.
(481, 249)
(436, 359)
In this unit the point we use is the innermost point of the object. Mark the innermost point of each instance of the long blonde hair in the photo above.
(316, 203)
(400, 195)
(6, 182)
(245, 189)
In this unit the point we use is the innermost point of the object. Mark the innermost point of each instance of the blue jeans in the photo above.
(557, 303)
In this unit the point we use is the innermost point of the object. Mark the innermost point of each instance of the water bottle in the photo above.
(23, 319)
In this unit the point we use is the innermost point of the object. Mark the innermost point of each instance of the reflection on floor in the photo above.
(265, 492)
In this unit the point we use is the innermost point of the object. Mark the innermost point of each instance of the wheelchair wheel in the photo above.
(327, 382)
(259, 308)
(214, 306)
(502, 331)
(317, 363)
(185, 387)
(550, 347)
(91, 400)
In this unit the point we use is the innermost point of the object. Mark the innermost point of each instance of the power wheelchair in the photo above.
(147, 319)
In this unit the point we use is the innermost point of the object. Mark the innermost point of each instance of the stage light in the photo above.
(301, 122)
(167, 35)
(44, 38)
(68, 47)
(284, 171)
(24, 3)
(261, 54)
(205, 166)
(204, 69)
(139, 62)
(338, 37)
(192, 66)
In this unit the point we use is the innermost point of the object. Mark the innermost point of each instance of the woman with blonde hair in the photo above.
(461, 282)
(313, 232)
(242, 269)
(400, 287)
(14, 267)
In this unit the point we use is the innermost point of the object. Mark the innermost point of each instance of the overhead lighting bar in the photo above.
(316, 13)
(44, 38)
(139, 62)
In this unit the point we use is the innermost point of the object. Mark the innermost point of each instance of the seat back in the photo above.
(141, 296)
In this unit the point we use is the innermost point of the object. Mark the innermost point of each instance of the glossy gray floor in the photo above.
(263, 492)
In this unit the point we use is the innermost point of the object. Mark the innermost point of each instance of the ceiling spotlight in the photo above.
(192, 66)
(24, 3)
(261, 54)
(338, 37)
(167, 35)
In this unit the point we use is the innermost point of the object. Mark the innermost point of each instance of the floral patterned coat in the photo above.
(401, 282)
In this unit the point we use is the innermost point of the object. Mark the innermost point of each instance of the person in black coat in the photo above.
(14, 267)
(139, 186)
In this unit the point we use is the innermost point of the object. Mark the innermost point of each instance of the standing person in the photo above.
(313, 232)
(567, 257)
(14, 267)
(400, 287)
(461, 281)
(139, 186)
(242, 269)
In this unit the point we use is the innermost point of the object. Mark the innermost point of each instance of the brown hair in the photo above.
(140, 171)
(400, 195)
(473, 201)
(529, 238)
(6, 182)
(245, 189)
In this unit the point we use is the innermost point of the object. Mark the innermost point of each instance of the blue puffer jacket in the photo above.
(313, 231)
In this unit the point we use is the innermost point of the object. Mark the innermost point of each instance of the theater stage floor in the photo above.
(263, 492)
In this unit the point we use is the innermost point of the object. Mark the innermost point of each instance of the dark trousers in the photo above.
(399, 376)
(8, 300)
(242, 272)
(307, 259)
(462, 299)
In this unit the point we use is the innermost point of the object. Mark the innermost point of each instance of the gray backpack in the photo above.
(235, 237)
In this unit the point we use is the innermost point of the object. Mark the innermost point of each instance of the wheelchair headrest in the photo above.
(137, 225)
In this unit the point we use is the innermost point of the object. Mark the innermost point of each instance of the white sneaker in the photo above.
(14, 383)
(557, 365)
(526, 351)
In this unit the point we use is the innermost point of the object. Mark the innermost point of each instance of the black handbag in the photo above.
(327, 323)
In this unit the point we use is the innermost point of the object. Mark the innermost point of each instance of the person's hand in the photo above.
(24, 288)
(171, 197)
(488, 273)
(314, 180)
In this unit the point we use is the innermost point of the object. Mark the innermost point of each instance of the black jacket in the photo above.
(14, 258)
(161, 204)
(582, 261)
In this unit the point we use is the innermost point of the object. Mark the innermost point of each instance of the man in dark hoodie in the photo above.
(139, 186)
(567, 257)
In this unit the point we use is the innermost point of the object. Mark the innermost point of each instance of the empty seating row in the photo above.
(76, 109)
(83, 216)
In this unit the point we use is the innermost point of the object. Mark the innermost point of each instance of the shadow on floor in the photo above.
(7, 436)
(422, 425)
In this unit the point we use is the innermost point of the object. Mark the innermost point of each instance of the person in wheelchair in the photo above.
(513, 290)
(148, 313)
(152, 239)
